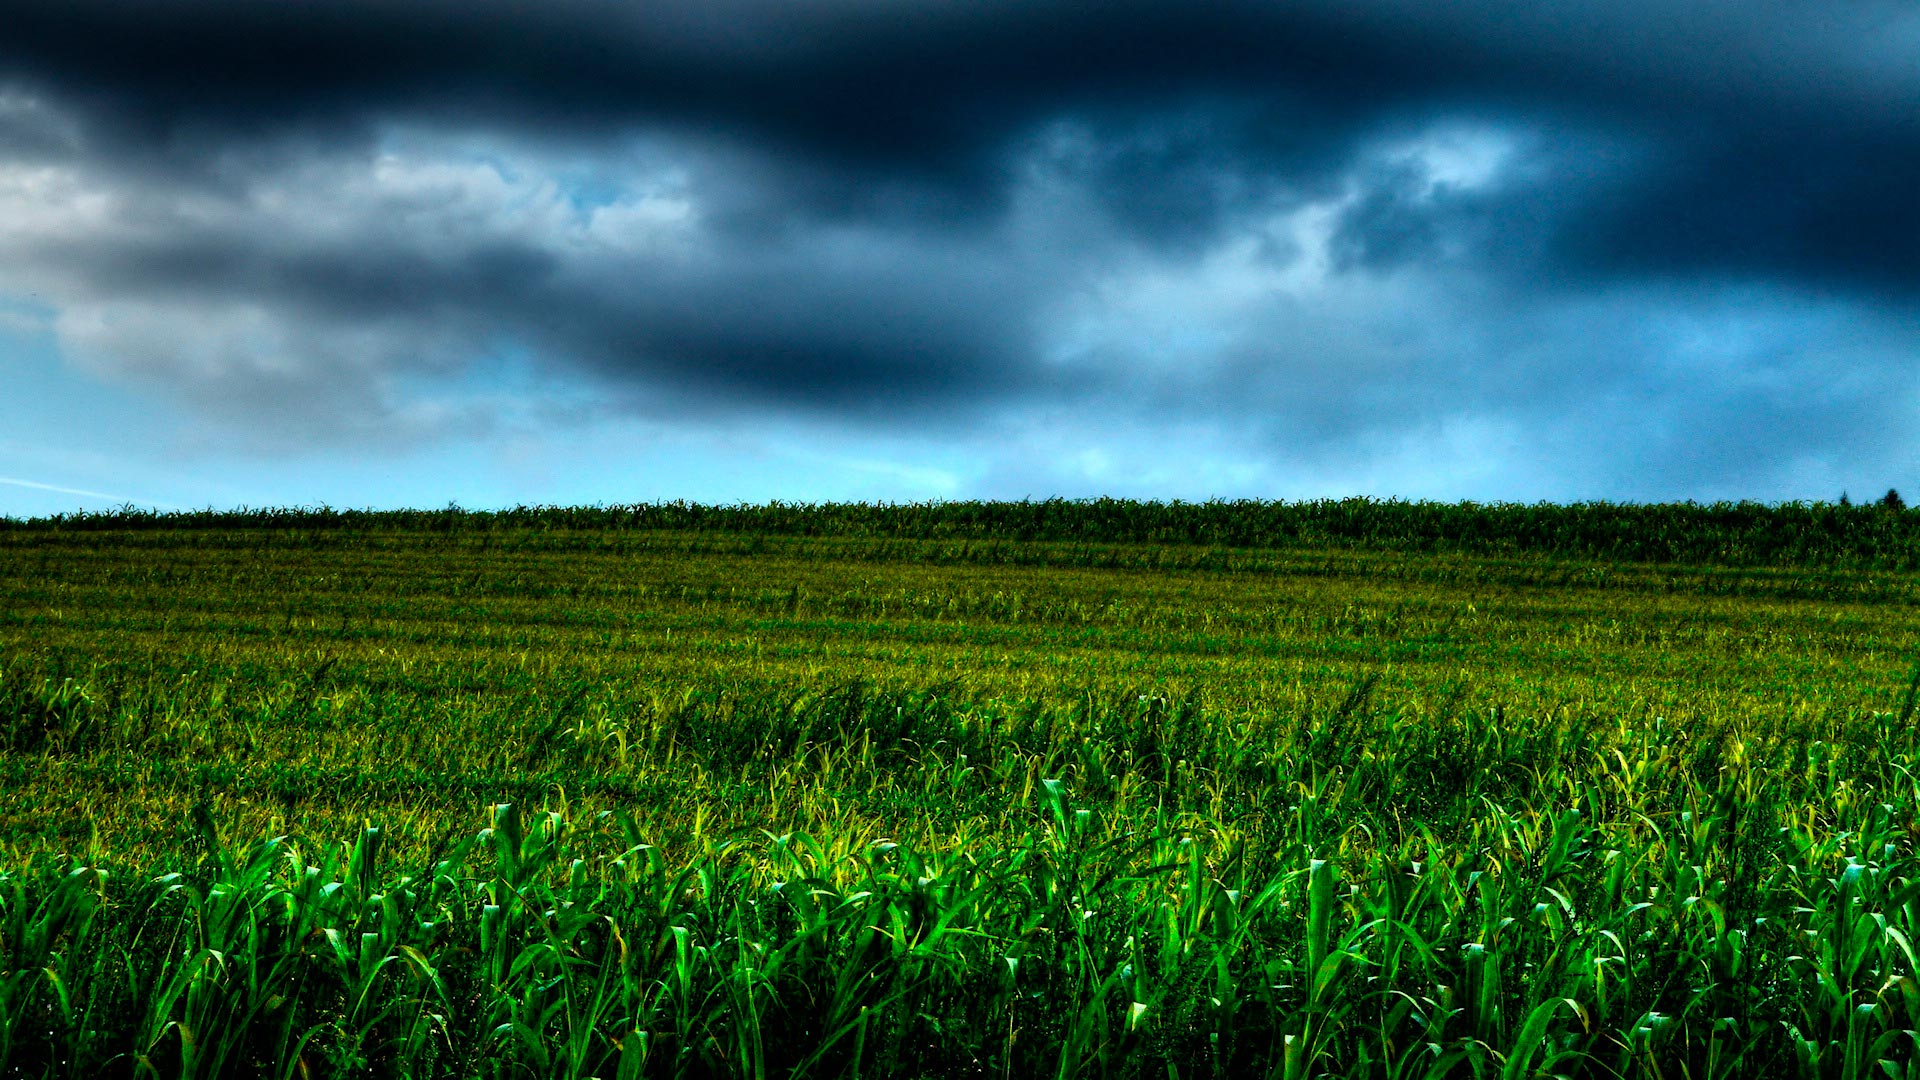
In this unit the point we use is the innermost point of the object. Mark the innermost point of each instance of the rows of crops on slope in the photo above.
(576, 803)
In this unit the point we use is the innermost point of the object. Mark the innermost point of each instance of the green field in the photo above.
(1353, 789)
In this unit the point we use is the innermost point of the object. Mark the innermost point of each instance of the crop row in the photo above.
(1741, 932)
(1746, 533)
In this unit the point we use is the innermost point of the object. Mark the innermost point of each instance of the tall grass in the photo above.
(526, 802)
(1635, 902)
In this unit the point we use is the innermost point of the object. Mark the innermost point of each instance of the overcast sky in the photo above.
(406, 253)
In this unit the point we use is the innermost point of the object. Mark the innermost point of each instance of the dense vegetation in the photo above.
(363, 796)
(1876, 535)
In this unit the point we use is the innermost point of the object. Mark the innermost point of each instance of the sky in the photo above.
(386, 253)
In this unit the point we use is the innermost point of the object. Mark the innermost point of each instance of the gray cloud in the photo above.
(1616, 246)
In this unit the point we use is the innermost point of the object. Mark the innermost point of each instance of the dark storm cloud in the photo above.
(1782, 134)
(895, 210)
(918, 85)
(442, 257)
(1826, 208)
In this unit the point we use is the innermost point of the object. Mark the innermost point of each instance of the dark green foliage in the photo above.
(1638, 917)
(1746, 533)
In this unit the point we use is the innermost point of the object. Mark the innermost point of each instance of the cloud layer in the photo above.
(1189, 249)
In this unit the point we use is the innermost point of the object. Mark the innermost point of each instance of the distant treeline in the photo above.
(1744, 533)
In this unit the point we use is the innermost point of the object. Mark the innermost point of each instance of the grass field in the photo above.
(1004, 790)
